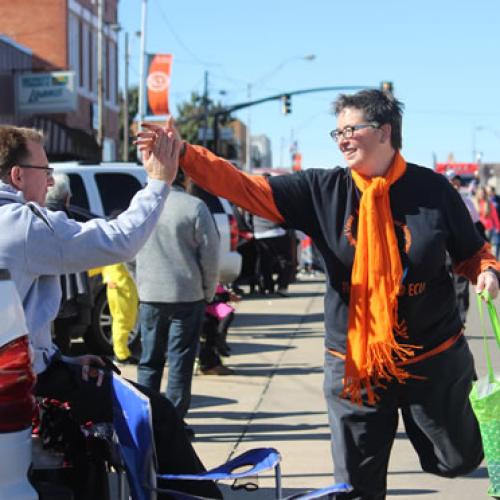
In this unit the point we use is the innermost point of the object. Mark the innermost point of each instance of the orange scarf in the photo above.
(372, 351)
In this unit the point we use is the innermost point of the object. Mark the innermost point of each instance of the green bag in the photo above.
(485, 401)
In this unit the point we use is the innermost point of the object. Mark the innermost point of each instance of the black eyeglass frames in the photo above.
(348, 132)
(48, 170)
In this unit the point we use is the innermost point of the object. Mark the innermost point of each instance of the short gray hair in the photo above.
(60, 191)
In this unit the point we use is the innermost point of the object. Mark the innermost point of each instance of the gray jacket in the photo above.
(38, 245)
(180, 261)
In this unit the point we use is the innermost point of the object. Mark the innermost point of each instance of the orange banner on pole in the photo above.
(158, 83)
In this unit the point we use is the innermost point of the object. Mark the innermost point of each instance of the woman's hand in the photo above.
(161, 148)
(487, 280)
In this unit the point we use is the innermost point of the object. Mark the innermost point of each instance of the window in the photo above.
(211, 201)
(116, 191)
(74, 47)
(114, 73)
(91, 59)
(81, 48)
(78, 192)
(107, 85)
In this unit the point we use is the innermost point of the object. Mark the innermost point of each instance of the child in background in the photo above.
(123, 302)
(218, 317)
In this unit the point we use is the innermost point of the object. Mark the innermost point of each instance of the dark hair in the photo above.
(377, 106)
(13, 146)
(180, 178)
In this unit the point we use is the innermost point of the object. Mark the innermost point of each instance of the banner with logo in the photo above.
(158, 83)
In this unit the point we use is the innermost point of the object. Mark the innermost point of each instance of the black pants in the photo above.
(275, 254)
(175, 453)
(436, 413)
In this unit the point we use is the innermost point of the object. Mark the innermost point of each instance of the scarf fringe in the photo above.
(382, 360)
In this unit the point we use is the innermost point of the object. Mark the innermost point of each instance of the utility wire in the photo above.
(179, 39)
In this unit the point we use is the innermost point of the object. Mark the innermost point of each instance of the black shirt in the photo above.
(430, 219)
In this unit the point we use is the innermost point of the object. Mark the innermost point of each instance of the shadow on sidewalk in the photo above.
(278, 333)
(201, 401)
(238, 415)
(256, 370)
(271, 318)
(410, 491)
(261, 433)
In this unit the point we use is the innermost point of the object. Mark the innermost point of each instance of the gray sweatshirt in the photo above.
(180, 261)
(38, 245)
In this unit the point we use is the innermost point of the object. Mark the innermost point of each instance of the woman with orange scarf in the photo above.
(394, 339)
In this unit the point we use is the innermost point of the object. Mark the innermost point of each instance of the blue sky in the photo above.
(443, 57)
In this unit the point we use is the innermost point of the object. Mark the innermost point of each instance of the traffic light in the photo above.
(387, 87)
(286, 104)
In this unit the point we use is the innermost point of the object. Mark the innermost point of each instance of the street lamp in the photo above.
(281, 65)
(475, 154)
(250, 86)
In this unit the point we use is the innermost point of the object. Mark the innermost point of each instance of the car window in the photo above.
(78, 192)
(213, 202)
(116, 190)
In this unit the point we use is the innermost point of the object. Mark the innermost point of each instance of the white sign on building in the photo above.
(52, 92)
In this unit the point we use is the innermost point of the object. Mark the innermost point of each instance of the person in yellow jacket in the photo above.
(123, 302)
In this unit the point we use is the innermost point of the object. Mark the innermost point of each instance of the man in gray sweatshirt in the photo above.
(37, 245)
(177, 273)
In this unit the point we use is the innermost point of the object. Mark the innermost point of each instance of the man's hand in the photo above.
(160, 148)
(488, 281)
(90, 366)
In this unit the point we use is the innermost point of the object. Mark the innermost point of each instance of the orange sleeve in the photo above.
(479, 262)
(219, 177)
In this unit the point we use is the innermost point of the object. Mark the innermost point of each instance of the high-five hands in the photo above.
(161, 148)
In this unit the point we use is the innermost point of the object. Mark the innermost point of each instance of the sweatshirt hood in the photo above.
(9, 194)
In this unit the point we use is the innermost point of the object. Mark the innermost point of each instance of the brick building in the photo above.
(62, 35)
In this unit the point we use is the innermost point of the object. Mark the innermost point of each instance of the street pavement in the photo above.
(275, 399)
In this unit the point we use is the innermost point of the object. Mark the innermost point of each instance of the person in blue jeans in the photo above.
(177, 272)
(170, 331)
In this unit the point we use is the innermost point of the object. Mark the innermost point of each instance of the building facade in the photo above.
(260, 151)
(62, 35)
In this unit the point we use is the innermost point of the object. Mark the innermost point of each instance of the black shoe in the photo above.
(217, 370)
(223, 349)
(131, 360)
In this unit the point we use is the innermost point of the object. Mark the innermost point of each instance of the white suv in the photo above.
(103, 189)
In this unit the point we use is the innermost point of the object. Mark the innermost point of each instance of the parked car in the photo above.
(101, 190)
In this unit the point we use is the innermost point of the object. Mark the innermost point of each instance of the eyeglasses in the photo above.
(348, 131)
(48, 170)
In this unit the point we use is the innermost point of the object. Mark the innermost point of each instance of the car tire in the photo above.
(98, 336)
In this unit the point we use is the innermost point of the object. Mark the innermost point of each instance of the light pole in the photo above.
(142, 63)
(474, 152)
(100, 80)
(251, 86)
(126, 130)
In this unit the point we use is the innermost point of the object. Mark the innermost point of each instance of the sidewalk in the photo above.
(275, 399)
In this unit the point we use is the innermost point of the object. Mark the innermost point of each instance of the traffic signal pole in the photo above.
(237, 107)
(283, 96)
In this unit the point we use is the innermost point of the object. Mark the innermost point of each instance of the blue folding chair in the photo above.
(133, 426)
